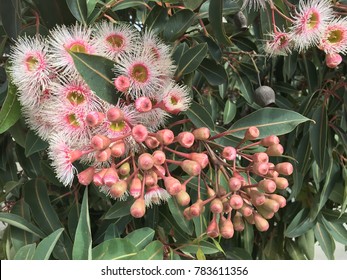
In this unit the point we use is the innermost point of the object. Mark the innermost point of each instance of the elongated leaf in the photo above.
(192, 4)
(229, 112)
(178, 233)
(325, 240)
(153, 251)
(26, 253)
(177, 25)
(79, 9)
(91, 6)
(215, 14)
(179, 52)
(318, 136)
(97, 73)
(140, 238)
(20, 222)
(82, 248)
(248, 238)
(337, 231)
(199, 116)
(191, 59)
(46, 246)
(34, 144)
(238, 254)
(214, 73)
(301, 223)
(114, 249)
(306, 243)
(206, 247)
(10, 12)
(156, 19)
(269, 121)
(177, 212)
(128, 4)
(245, 86)
(294, 250)
(10, 110)
(119, 209)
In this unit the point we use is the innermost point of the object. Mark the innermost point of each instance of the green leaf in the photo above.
(91, 6)
(10, 14)
(179, 52)
(214, 73)
(306, 243)
(128, 4)
(20, 222)
(205, 246)
(177, 212)
(200, 255)
(199, 116)
(79, 9)
(294, 250)
(31, 164)
(229, 112)
(337, 231)
(140, 238)
(192, 4)
(191, 59)
(215, 14)
(153, 251)
(300, 224)
(26, 252)
(248, 238)
(114, 249)
(46, 246)
(318, 136)
(72, 219)
(177, 25)
(156, 19)
(325, 240)
(344, 198)
(97, 73)
(119, 209)
(10, 110)
(269, 121)
(245, 86)
(200, 225)
(82, 248)
(34, 144)
(238, 254)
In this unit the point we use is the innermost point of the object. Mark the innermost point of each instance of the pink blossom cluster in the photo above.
(313, 23)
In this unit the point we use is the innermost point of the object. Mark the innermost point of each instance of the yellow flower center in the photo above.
(139, 73)
(75, 97)
(118, 126)
(313, 21)
(32, 63)
(335, 36)
(115, 41)
(78, 47)
(72, 120)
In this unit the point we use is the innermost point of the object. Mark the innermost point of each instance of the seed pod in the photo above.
(264, 96)
(138, 209)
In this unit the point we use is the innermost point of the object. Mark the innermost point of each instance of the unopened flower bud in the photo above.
(210, 191)
(160, 170)
(257, 198)
(135, 187)
(202, 133)
(284, 168)
(124, 169)
(200, 158)
(234, 184)
(229, 153)
(267, 185)
(151, 142)
(236, 201)
(117, 149)
(271, 205)
(239, 224)
(260, 168)
(212, 229)
(75, 155)
(139, 133)
(172, 185)
(86, 176)
(159, 157)
(186, 139)
(280, 199)
(186, 214)
(269, 140)
(115, 115)
(100, 142)
(226, 228)
(260, 223)
(196, 208)
(332, 60)
(98, 177)
(192, 168)
(252, 133)
(104, 155)
(94, 118)
(281, 183)
(216, 206)
(260, 157)
(275, 150)
(122, 83)
(246, 210)
(165, 136)
(151, 179)
(183, 198)
(267, 214)
(145, 161)
(118, 189)
(110, 177)
(143, 104)
(138, 209)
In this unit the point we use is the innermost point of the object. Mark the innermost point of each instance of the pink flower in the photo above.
(156, 195)
(279, 44)
(176, 99)
(332, 60)
(334, 37)
(122, 83)
(309, 22)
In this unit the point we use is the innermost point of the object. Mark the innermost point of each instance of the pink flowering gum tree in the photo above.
(200, 129)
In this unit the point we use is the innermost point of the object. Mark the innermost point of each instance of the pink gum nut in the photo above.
(172, 185)
(229, 153)
(260, 223)
(186, 139)
(86, 176)
(260, 168)
(202, 133)
(94, 118)
(212, 229)
(100, 142)
(267, 214)
(104, 155)
(271, 205)
(183, 198)
(124, 169)
(138, 209)
(75, 155)
(151, 179)
(257, 198)
(110, 177)
(135, 188)
(196, 208)
(260, 157)
(281, 183)
(117, 149)
(115, 115)
(284, 168)
(118, 189)
(122, 83)
(151, 142)
(332, 60)
(139, 133)
(216, 206)
(165, 136)
(98, 177)
(269, 140)
(200, 158)
(246, 210)
(145, 161)
(280, 199)
(226, 228)
(252, 133)
(239, 224)
(275, 150)
(267, 185)
(236, 202)
(192, 168)
(159, 157)
(143, 104)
